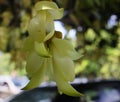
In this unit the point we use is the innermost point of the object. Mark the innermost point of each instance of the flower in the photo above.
(41, 27)
(48, 53)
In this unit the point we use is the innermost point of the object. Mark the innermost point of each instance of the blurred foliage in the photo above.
(101, 54)
(7, 67)
(97, 25)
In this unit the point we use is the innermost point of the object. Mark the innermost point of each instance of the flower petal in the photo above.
(65, 66)
(51, 7)
(45, 5)
(49, 71)
(57, 14)
(37, 78)
(42, 50)
(63, 85)
(63, 63)
(49, 22)
(49, 26)
(65, 48)
(37, 27)
(48, 36)
(34, 63)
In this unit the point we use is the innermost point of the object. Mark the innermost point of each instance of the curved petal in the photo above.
(45, 5)
(50, 35)
(57, 14)
(37, 78)
(51, 7)
(34, 63)
(49, 22)
(37, 27)
(63, 63)
(65, 66)
(63, 85)
(49, 71)
(65, 48)
(42, 50)
(41, 27)
(49, 26)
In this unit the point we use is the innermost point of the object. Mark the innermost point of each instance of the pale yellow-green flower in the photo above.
(41, 27)
(48, 54)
